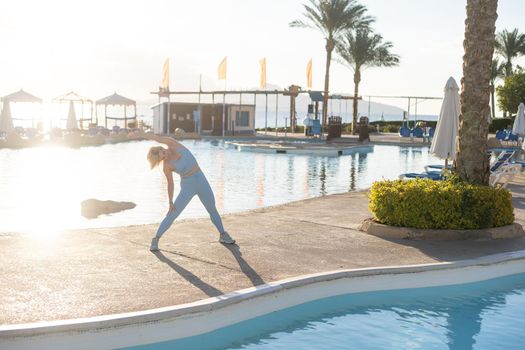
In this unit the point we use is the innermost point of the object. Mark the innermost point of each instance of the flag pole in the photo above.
(276, 112)
(266, 115)
(169, 117)
(223, 107)
(199, 124)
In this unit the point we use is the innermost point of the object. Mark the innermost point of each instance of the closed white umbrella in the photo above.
(71, 118)
(519, 122)
(6, 122)
(445, 137)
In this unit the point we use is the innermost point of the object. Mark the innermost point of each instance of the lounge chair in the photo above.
(504, 174)
(503, 158)
(434, 167)
(501, 135)
(417, 132)
(433, 175)
(404, 131)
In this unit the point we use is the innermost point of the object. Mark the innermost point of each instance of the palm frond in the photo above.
(363, 48)
(332, 17)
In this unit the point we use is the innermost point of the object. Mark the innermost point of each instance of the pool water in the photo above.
(482, 316)
(41, 188)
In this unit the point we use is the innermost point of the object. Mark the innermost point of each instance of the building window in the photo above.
(242, 118)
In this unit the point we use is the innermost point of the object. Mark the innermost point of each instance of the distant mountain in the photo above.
(341, 108)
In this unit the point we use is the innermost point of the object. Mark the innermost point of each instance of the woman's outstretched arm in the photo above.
(169, 177)
(168, 141)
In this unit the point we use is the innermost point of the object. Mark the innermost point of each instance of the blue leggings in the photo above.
(195, 184)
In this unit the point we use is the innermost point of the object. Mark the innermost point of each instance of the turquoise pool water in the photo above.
(47, 184)
(482, 316)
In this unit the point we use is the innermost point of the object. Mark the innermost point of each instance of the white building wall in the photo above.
(159, 121)
(231, 116)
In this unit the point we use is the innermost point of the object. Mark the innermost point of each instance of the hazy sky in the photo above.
(95, 47)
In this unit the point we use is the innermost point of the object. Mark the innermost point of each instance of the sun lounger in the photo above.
(404, 131)
(503, 158)
(504, 174)
(417, 132)
(433, 175)
(436, 167)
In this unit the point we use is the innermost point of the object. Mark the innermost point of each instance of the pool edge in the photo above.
(179, 321)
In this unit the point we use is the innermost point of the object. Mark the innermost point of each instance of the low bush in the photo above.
(449, 204)
(390, 128)
(500, 124)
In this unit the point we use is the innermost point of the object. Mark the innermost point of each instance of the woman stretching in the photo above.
(177, 158)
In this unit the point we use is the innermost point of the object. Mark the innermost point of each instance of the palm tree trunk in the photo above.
(508, 68)
(357, 80)
(480, 25)
(329, 48)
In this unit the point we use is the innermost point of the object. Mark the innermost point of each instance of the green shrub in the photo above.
(450, 204)
(500, 124)
(512, 92)
(390, 128)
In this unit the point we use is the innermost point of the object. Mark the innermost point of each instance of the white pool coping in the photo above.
(180, 321)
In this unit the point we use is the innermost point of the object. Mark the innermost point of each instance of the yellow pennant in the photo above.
(262, 83)
(166, 75)
(309, 74)
(222, 69)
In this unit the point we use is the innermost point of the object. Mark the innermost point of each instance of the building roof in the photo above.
(72, 96)
(203, 104)
(22, 96)
(116, 99)
(316, 96)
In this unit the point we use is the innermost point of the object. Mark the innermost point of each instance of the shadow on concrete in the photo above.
(464, 249)
(245, 267)
(518, 202)
(188, 276)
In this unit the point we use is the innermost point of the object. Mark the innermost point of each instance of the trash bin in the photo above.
(363, 129)
(334, 127)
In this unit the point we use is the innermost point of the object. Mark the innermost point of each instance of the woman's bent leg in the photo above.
(185, 195)
(208, 200)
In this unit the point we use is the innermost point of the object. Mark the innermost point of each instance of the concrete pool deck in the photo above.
(93, 272)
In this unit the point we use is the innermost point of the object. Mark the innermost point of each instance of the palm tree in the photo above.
(331, 18)
(480, 26)
(510, 45)
(364, 49)
(497, 71)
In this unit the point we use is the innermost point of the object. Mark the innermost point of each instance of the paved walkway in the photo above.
(94, 272)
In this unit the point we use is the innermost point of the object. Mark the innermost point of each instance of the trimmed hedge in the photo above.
(500, 124)
(428, 204)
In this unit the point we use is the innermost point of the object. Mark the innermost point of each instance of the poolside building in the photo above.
(204, 118)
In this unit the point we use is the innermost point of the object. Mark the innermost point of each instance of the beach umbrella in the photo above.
(71, 118)
(6, 122)
(519, 122)
(445, 137)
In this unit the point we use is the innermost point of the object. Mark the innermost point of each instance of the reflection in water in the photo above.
(361, 163)
(259, 182)
(481, 316)
(240, 180)
(290, 175)
(353, 171)
(322, 178)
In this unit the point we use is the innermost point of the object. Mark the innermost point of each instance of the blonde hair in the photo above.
(153, 156)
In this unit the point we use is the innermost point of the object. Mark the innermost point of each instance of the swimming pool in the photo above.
(482, 316)
(41, 188)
